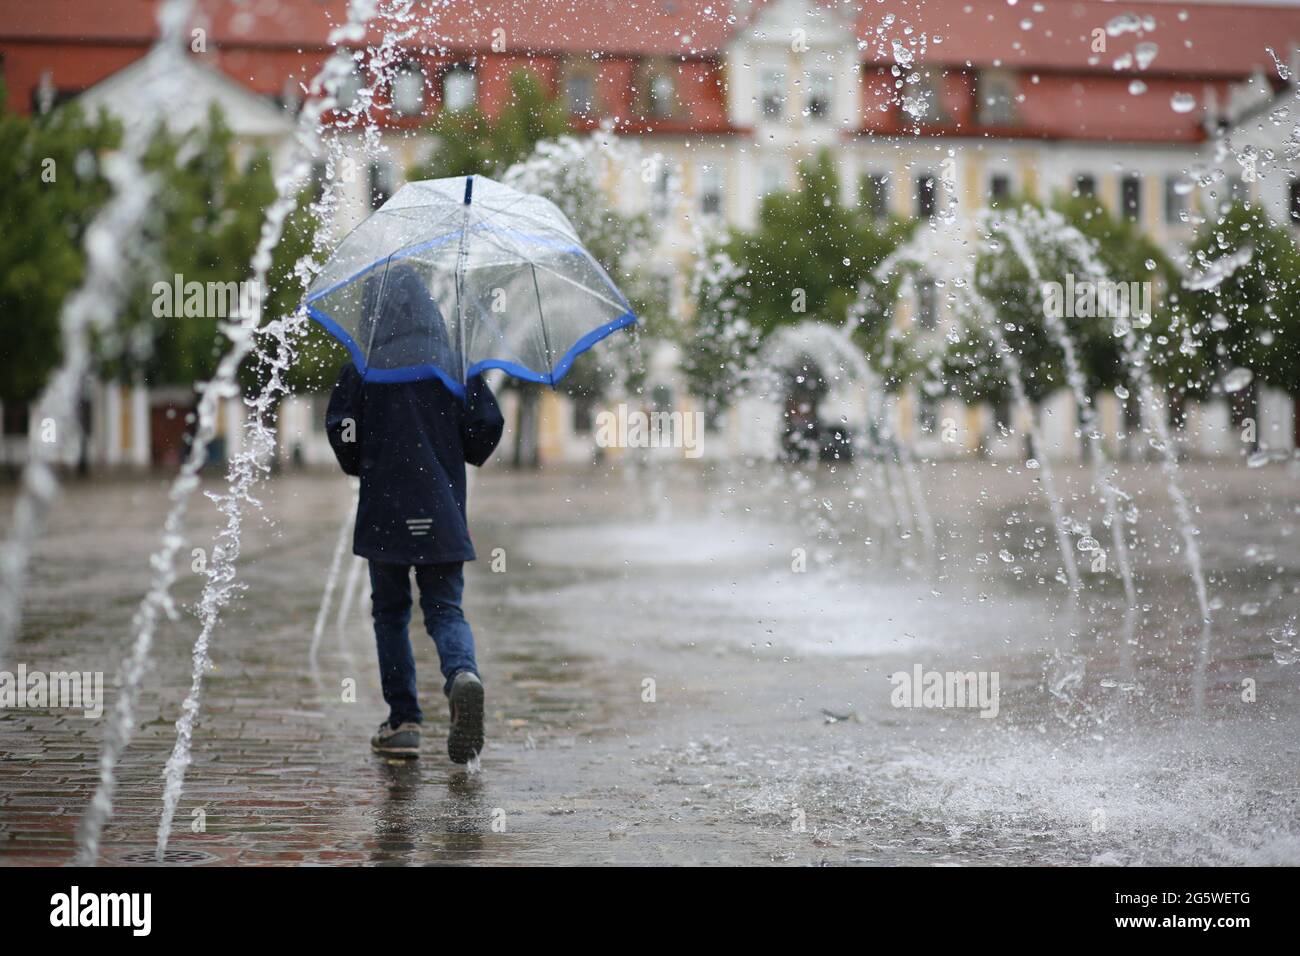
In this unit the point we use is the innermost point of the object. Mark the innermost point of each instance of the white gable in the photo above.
(175, 87)
(816, 25)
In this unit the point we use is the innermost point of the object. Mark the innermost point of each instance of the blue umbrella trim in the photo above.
(417, 373)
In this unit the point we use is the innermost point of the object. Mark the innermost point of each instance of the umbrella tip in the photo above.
(469, 188)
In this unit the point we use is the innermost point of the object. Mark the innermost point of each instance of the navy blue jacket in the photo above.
(411, 441)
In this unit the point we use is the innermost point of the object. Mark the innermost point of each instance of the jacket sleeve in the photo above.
(343, 420)
(481, 428)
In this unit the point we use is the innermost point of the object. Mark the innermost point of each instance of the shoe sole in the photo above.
(465, 742)
(408, 753)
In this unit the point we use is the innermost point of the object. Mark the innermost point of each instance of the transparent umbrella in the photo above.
(452, 277)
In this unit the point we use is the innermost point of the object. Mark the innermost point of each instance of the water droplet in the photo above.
(1237, 379)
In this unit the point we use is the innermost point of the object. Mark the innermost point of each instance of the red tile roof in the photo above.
(1204, 39)
(662, 27)
(1210, 39)
(1069, 90)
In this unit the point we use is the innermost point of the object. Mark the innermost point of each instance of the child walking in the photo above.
(409, 441)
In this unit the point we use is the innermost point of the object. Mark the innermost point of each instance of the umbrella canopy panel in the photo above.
(451, 277)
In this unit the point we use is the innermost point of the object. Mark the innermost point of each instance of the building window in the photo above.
(1085, 184)
(349, 89)
(660, 94)
(771, 92)
(924, 102)
(459, 88)
(999, 190)
(1294, 197)
(17, 416)
(661, 191)
(927, 413)
(580, 92)
(927, 316)
(925, 196)
(1130, 191)
(1176, 190)
(711, 190)
(408, 90)
(383, 182)
(771, 179)
(319, 179)
(584, 412)
(875, 195)
(819, 96)
(997, 98)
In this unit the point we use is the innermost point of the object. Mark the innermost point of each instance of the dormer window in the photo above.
(660, 94)
(580, 91)
(459, 88)
(349, 89)
(996, 98)
(408, 90)
(923, 102)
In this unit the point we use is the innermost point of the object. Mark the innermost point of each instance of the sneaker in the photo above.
(400, 741)
(465, 741)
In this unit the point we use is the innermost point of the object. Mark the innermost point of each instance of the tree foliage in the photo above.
(469, 142)
(1250, 316)
(810, 257)
(52, 187)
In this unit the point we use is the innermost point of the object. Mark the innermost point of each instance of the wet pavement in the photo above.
(665, 687)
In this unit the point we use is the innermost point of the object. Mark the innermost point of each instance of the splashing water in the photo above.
(351, 592)
(93, 306)
(931, 250)
(1153, 401)
(332, 577)
(1013, 227)
(280, 332)
(1217, 271)
(241, 475)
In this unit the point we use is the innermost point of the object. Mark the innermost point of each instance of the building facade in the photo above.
(921, 104)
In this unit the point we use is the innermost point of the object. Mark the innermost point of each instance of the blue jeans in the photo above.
(440, 590)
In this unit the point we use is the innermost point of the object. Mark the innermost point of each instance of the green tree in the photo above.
(719, 344)
(204, 227)
(1004, 279)
(1129, 255)
(1246, 300)
(50, 167)
(469, 142)
(810, 257)
(810, 252)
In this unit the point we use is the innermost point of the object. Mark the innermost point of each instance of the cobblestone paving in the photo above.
(757, 748)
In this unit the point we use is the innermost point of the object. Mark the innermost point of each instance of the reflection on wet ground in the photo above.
(693, 666)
